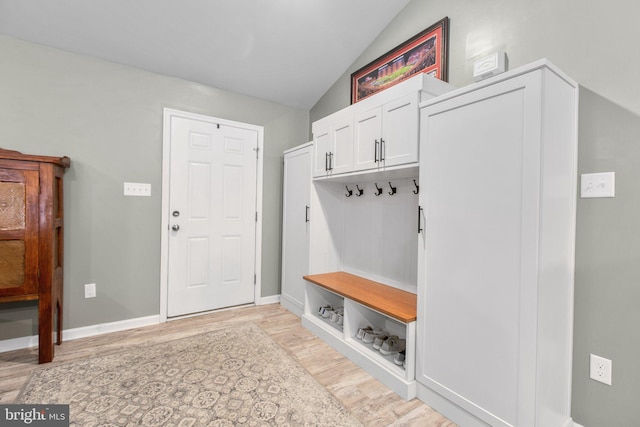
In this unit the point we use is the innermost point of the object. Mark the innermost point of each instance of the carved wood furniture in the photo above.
(31, 238)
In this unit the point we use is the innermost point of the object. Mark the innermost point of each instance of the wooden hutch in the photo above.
(31, 238)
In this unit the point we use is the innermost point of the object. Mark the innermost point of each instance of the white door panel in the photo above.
(212, 216)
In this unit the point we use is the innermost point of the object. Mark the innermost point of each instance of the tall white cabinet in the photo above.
(295, 229)
(464, 199)
(496, 254)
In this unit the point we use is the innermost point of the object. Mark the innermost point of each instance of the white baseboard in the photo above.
(103, 328)
(18, 343)
(293, 306)
(86, 331)
(575, 424)
(272, 299)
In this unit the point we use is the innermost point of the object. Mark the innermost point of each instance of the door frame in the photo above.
(166, 169)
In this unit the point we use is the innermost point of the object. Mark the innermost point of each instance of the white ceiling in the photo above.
(286, 51)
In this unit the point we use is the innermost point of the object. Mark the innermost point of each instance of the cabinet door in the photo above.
(400, 131)
(342, 144)
(479, 174)
(367, 135)
(18, 232)
(295, 232)
(321, 148)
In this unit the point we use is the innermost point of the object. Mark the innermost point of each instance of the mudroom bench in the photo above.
(364, 303)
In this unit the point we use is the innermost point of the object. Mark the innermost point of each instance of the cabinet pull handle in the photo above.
(375, 152)
(326, 161)
(306, 213)
(382, 150)
(330, 161)
(419, 219)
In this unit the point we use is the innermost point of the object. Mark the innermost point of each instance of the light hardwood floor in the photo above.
(369, 400)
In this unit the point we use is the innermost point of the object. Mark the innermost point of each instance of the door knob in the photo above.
(175, 227)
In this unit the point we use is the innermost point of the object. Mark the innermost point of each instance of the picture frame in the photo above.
(426, 52)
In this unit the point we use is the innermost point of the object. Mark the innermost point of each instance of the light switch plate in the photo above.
(90, 290)
(137, 189)
(598, 185)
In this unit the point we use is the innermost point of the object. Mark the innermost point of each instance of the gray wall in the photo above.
(108, 119)
(596, 44)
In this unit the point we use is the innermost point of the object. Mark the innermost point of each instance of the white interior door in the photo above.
(212, 216)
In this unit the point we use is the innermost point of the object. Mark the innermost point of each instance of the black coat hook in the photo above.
(393, 189)
(417, 190)
(378, 189)
(360, 191)
(349, 192)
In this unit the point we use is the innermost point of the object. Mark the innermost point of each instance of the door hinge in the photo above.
(254, 279)
(256, 216)
(257, 150)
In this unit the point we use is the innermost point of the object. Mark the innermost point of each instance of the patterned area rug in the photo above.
(237, 376)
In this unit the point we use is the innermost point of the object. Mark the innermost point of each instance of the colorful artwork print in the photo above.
(424, 53)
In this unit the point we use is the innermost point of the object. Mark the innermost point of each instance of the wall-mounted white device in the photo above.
(137, 189)
(598, 185)
(488, 66)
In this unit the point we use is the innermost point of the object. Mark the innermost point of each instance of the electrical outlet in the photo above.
(90, 290)
(600, 369)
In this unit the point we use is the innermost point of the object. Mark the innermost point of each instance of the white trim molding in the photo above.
(271, 299)
(83, 332)
(166, 162)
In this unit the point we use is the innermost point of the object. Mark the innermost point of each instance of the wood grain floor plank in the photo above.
(368, 399)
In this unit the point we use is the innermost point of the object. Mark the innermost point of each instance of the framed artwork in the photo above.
(426, 52)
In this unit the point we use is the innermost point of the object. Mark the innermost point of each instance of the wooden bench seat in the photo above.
(393, 302)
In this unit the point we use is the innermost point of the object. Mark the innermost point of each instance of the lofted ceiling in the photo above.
(286, 51)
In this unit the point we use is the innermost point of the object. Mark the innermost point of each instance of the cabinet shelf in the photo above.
(372, 352)
(390, 173)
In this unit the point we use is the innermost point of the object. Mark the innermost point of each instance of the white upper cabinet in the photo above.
(321, 147)
(376, 134)
(387, 135)
(400, 131)
(333, 144)
(341, 158)
(368, 133)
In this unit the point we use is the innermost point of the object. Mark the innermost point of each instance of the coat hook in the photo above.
(417, 190)
(349, 192)
(393, 189)
(360, 191)
(378, 189)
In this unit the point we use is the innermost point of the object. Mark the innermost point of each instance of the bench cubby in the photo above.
(366, 303)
